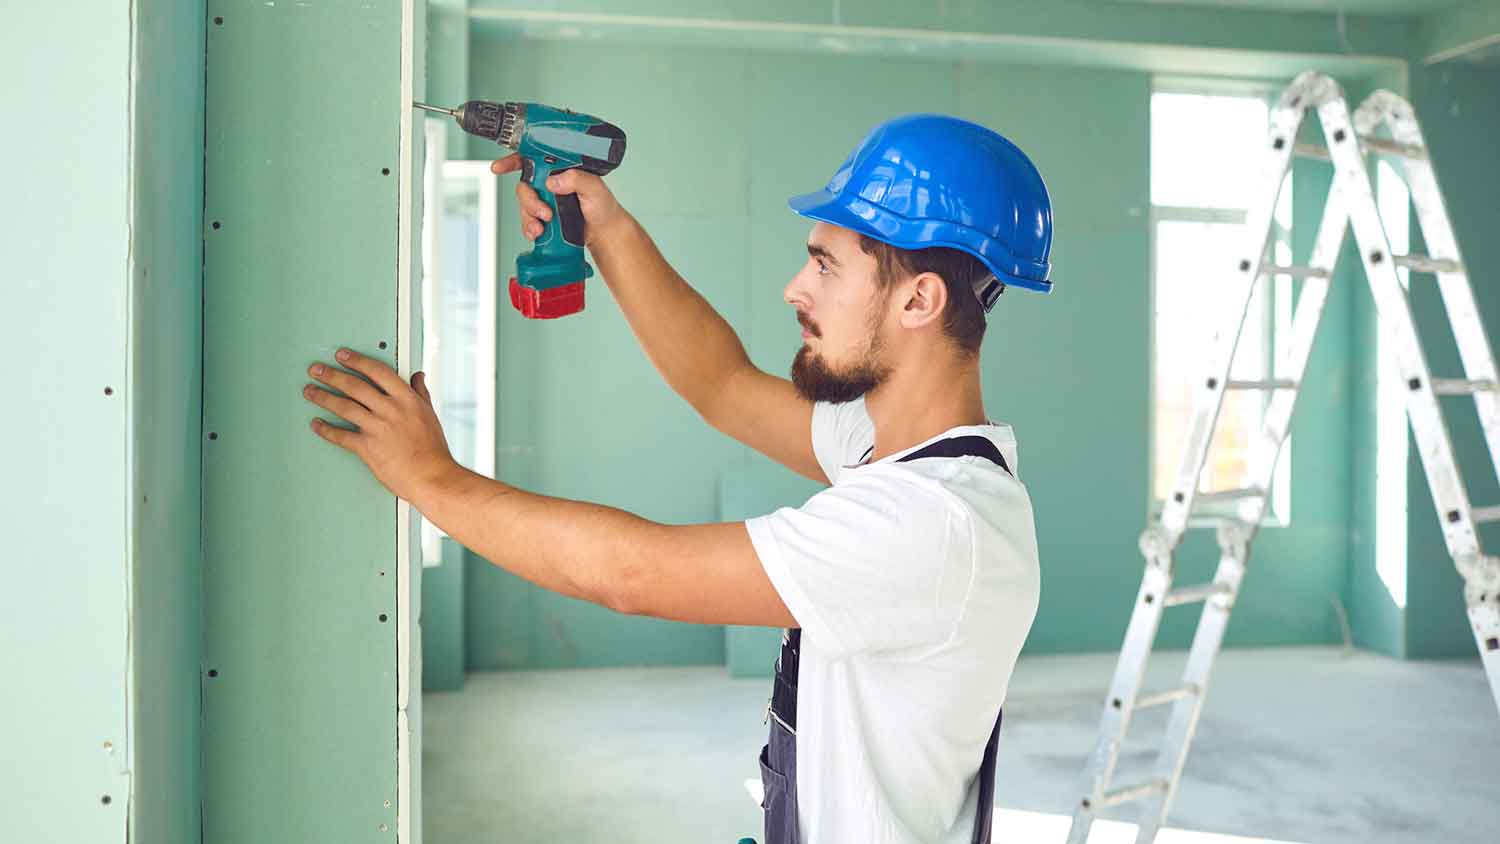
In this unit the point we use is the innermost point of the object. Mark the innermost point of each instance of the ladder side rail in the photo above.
(1242, 272)
(1436, 449)
(1436, 225)
(1276, 425)
(1234, 542)
(1481, 573)
(1124, 688)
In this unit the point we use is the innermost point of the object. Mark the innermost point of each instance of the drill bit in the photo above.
(451, 112)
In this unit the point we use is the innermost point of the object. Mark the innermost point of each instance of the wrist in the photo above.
(606, 235)
(445, 479)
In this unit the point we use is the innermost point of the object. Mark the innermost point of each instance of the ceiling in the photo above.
(1391, 8)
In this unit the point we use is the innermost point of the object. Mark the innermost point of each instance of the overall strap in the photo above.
(985, 810)
(965, 446)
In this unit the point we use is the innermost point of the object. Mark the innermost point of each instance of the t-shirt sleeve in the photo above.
(876, 563)
(838, 432)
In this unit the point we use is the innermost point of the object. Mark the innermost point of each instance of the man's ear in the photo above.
(926, 297)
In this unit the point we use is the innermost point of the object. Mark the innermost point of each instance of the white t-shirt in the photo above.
(915, 585)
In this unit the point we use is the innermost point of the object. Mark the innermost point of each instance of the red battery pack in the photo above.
(551, 303)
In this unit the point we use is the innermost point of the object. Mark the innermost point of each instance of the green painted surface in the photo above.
(300, 722)
(443, 660)
(448, 66)
(1158, 38)
(1460, 119)
(166, 410)
(765, 127)
(65, 231)
(1463, 31)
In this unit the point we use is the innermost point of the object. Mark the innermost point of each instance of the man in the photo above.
(907, 587)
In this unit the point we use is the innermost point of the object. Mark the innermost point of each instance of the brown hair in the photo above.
(963, 316)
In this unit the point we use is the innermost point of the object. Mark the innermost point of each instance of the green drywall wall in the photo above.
(1069, 371)
(303, 159)
(448, 66)
(1460, 115)
(65, 231)
(166, 417)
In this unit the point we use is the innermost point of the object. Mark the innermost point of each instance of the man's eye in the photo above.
(822, 267)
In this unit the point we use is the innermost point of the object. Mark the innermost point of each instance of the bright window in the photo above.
(1205, 149)
(458, 309)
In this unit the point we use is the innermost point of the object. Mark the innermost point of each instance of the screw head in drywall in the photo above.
(212, 435)
(218, 21)
(213, 672)
(385, 171)
(109, 391)
(105, 800)
(216, 225)
(382, 617)
(382, 344)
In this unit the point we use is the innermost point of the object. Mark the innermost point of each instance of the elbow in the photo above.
(622, 593)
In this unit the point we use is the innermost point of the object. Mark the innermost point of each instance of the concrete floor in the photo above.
(1296, 744)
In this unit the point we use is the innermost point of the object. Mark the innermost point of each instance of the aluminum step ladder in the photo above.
(1351, 200)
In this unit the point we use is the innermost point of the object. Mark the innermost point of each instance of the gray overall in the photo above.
(778, 758)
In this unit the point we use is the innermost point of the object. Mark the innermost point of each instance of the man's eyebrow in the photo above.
(818, 250)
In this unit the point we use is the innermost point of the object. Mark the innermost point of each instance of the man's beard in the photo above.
(815, 381)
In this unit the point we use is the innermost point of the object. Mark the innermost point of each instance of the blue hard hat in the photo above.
(926, 180)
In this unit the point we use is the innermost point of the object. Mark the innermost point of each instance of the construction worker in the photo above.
(908, 586)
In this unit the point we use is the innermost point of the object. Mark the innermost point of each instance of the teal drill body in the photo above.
(549, 279)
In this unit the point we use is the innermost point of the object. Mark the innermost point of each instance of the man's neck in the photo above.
(914, 405)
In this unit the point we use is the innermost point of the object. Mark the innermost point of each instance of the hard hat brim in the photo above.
(863, 217)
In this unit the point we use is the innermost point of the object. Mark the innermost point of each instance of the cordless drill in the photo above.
(549, 279)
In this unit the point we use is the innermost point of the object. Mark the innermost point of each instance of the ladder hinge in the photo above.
(1381, 145)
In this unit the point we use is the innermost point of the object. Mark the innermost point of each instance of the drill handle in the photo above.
(566, 228)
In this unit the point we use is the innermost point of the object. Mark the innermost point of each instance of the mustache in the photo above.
(808, 324)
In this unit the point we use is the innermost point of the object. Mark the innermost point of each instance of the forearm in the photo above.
(692, 346)
(584, 551)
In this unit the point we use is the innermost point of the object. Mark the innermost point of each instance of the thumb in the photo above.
(568, 181)
(419, 383)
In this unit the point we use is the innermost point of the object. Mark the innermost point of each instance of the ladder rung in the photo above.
(1486, 514)
(1229, 495)
(1460, 386)
(1280, 384)
(1193, 594)
(1374, 144)
(1370, 143)
(1167, 696)
(1311, 151)
(1426, 264)
(1128, 793)
(1296, 271)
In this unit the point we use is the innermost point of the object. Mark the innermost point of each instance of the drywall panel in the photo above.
(308, 566)
(1460, 116)
(166, 415)
(65, 506)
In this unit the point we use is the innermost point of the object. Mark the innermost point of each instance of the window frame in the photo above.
(1277, 303)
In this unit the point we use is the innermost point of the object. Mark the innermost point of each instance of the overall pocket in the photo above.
(779, 803)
